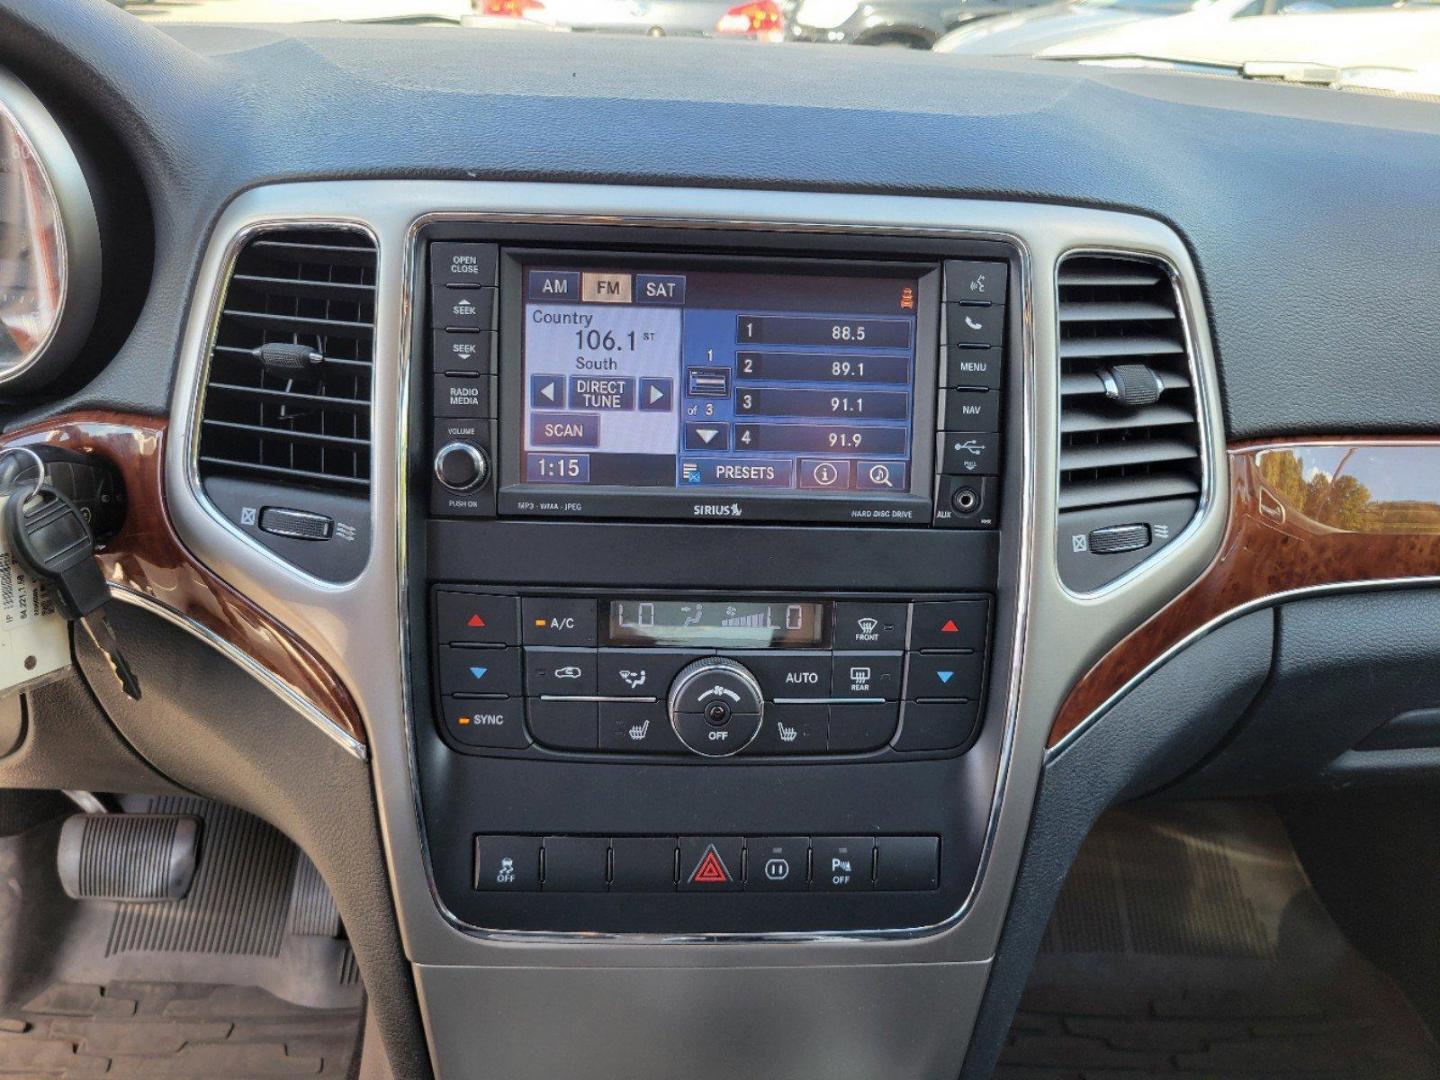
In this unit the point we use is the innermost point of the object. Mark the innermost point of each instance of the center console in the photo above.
(717, 620)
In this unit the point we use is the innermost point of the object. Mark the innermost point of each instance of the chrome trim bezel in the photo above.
(272, 682)
(1024, 576)
(1205, 422)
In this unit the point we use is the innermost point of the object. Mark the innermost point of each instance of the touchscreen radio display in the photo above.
(663, 378)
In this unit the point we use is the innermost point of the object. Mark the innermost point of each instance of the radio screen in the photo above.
(725, 624)
(718, 379)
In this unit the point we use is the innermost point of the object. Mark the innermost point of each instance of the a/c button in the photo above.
(548, 620)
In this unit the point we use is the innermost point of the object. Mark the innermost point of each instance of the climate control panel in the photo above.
(707, 679)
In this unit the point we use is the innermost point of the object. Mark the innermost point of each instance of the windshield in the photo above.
(1334, 43)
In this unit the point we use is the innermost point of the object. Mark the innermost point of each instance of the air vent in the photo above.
(287, 401)
(1128, 430)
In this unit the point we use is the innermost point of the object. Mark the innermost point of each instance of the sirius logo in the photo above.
(718, 509)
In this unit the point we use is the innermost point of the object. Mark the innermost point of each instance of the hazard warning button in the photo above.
(950, 624)
(711, 863)
(476, 619)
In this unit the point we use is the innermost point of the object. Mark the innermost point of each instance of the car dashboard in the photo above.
(697, 550)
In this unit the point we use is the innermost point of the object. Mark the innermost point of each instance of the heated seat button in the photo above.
(476, 618)
(548, 620)
(637, 727)
(792, 729)
(841, 863)
(862, 625)
(867, 675)
(563, 725)
(949, 624)
(777, 863)
(907, 863)
(561, 672)
(711, 863)
(944, 676)
(859, 728)
(576, 863)
(495, 723)
(640, 672)
(791, 675)
(507, 863)
(479, 671)
(937, 725)
(643, 864)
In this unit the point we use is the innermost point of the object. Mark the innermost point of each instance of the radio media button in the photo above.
(907, 863)
(479, 671)
(637, 727)
(711, 863)
(466, 353)
(974, 281)
(463, 263)
(563, 725)
(640, 672)
(791, 674)
(950, 624)
(966, 324)
(867, 675)
(944, 675)
(464, 397)
(777, 863)
(841, 863)
(793, 729)
(476, 618)
(507, 863)
(563, 672)
(493, 723)
(937, 725)
(970, 410)
(969, 453)
(973, 367)
(858, 728)
(462, 309)
(862, 625)
(548, 620)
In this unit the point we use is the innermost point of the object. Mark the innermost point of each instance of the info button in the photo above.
(824, 475)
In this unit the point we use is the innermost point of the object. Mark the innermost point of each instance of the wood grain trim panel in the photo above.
(1304, 513)
(147, 557)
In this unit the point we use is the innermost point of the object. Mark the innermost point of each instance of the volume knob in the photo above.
(462, 466)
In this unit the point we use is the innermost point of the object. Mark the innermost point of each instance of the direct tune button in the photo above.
(715, 707)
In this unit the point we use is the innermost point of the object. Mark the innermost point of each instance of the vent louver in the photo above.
(1128, 430)
(263, 417)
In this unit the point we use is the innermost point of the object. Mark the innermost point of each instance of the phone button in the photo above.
(967, 325)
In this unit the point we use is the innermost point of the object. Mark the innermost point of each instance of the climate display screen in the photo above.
(718, 380)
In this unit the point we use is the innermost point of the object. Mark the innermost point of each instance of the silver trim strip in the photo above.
(272, 682)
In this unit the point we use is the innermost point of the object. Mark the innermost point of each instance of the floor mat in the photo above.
(135, 1031)
(1187, 943)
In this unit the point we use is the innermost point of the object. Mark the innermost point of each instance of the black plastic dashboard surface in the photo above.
(1280, 191)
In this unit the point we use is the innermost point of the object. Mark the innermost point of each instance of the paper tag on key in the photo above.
(34, 636)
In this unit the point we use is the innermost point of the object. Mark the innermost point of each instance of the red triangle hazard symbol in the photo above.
(475, 620)
(710, 870)
(949, 627)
